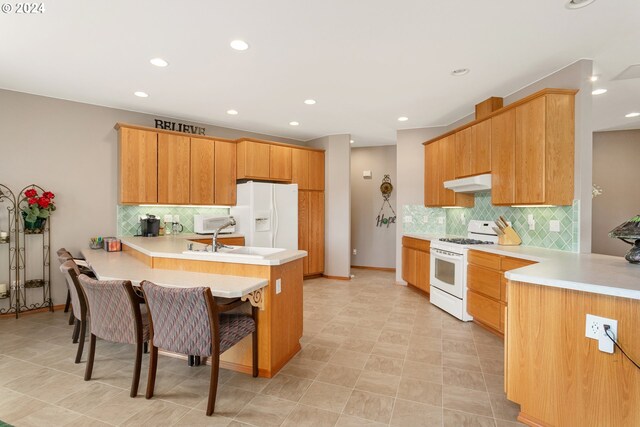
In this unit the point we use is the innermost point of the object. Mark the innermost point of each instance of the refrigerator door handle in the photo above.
(275, 214)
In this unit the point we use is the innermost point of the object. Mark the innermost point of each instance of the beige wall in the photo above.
(615, 161)
(337, 231)
(410, 171)
(71, 149)
(376, 246)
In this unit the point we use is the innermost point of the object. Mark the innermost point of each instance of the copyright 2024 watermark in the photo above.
(22, 8)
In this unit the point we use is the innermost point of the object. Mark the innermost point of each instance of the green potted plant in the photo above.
(36, 209)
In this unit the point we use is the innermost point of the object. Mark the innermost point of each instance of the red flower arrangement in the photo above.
(37, 206)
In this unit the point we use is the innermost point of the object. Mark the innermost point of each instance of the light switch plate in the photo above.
(425, 218)
(408, 219)
(554, 225)
(278, 286)
(441, 220)
(532, 225)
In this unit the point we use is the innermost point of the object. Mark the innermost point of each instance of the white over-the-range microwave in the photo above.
(209, 224)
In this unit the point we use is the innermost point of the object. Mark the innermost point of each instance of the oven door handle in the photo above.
(444, 255)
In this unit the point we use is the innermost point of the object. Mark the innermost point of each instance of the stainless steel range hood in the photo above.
(470, 184)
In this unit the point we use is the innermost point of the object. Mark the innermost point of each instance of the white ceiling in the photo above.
(365, 62)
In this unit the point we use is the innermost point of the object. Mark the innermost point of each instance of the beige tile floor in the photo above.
(373, 354)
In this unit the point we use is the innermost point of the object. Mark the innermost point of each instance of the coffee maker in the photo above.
(149, 226)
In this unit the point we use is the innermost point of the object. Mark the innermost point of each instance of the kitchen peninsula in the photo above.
(272, 282)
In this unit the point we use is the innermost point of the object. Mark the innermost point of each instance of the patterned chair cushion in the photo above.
(233, 328)
(111, 311)
(181, 321)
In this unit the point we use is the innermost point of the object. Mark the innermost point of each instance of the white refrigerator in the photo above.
(267, 214)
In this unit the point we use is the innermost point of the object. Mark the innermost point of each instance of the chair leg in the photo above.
(76, 331)
(71, 317)
(153, 368)
(254, 348)
(213, 385)
(145, 347)
(136, 370)
(83, 333)
(92, 353)
(68, 302)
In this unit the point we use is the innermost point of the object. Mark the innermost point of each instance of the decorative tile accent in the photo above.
(129, 222)
(419, 219)
(566, 239)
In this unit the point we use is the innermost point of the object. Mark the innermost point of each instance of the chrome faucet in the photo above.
(215, 243)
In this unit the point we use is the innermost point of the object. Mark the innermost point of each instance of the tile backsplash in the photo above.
(128, 216)
(457, 219)
(421, 220)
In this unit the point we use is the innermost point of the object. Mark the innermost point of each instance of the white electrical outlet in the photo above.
(463, 217)
(441, 220)
(355, 252)
(408, 219)
(594, 329)
(532, 225)
(278, 286)
(425, 218)
(554, 225)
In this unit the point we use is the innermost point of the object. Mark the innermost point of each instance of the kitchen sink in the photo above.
(239, 251)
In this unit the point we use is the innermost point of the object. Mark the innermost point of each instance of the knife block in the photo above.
(510, 237)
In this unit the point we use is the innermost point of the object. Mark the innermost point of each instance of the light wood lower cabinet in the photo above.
(416, 262)
(231, 241)
(311, 230)
(487, 287)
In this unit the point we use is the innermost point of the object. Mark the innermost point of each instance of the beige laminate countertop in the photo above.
(173, 246)
(594, 273)
(120, 266)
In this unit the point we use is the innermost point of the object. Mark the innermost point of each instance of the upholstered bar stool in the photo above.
(188, 321)
(79, 306)
(115, 316)
(63, 256)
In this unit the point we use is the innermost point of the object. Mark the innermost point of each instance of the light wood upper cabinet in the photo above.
(138, 162)
(300, 168)
(503, 158)
(253, 160)
(481, 148)
(280, 163)
(307, 169)
(316, 170)
(440, 166)
(533, 152)
(174, 155)
(473, 150)
(225, 173)
(530, 151)
(202, 171)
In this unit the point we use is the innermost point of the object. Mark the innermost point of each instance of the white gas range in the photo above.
(448, 277)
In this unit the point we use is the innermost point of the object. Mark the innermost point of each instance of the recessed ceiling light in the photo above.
(309, 101)
(351, 141)
(294, 123)
(403, 119)
(159, 62)
(598, 91)
(577, 4)
(239, 45)
(594, 78)
(232, 112)
(460, 72)
(141, 94)
(632, 115)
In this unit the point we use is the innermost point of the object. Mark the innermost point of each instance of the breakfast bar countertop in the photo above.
(173, 246)
(120, 266)
(594, 273)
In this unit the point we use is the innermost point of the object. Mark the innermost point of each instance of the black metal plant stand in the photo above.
(9, 298)
(34, 290)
